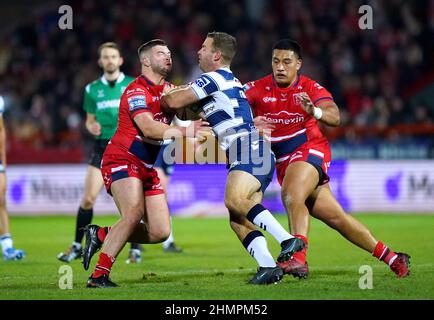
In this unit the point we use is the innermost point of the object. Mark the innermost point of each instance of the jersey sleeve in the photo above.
(138, 101)
(318, 93)
(205, 85)
(89, 104)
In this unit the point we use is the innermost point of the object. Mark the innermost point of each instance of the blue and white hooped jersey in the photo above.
(225, 105)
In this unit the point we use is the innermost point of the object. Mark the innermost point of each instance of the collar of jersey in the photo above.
(150, 83)
(118, 80)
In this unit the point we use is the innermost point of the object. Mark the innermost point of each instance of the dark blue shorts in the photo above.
(256, 159)
(160, 163)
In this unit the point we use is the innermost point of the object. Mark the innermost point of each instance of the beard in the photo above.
(163, 70)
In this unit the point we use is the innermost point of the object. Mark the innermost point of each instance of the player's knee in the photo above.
(335, 221)
(88, 202)
(161, 234)
(2, 201)
(131, 220)
(291, 201)
(286, 199)
(233, 204)
(235, 218)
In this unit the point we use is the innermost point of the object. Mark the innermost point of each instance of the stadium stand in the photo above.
(382, 79)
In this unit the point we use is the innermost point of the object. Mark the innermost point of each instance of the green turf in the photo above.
(216, 266)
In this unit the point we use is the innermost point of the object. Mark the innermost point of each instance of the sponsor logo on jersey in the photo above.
(285, 117)
(269, 99)
(135, 90)
(202, 82)
(137, 102)
(107, 104)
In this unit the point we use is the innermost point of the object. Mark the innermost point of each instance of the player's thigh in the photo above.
(301, 179)
(323, 204)
(93, 182)
(156, 214)
(241, 184)
(164, 178)
(128, 196)
(2, 186)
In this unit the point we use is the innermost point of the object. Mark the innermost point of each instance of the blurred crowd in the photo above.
(372, 74)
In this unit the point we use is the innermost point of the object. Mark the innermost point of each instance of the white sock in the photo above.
(171, 239)
(265, 220)
(6, 241)
(258, 249)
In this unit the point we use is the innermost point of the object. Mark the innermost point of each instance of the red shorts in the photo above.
(115, 167)
(317, 154)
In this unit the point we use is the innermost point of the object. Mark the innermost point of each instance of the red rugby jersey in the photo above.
(293, 126)
(141, 95)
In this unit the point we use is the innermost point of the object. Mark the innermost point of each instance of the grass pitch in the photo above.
(215, 265)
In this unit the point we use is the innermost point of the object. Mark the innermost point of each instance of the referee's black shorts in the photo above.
(98, 150)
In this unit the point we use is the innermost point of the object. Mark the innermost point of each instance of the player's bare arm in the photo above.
(158, 131)
(179, 97)
(92, 125)
(326, 111)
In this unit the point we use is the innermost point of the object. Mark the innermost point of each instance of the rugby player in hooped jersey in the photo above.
(127, 165)
(224, 105)
(294, 104)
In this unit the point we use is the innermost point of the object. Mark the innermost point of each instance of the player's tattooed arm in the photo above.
(325, 111)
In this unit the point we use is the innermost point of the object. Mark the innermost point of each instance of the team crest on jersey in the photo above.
(100, 93)
(137, 102)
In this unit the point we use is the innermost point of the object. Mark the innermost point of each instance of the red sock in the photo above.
(103, 266)
(383, 253)
(102, 233)
(300, 256)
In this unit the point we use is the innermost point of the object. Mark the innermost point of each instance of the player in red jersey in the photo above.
(127, 165)
(294, 104)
